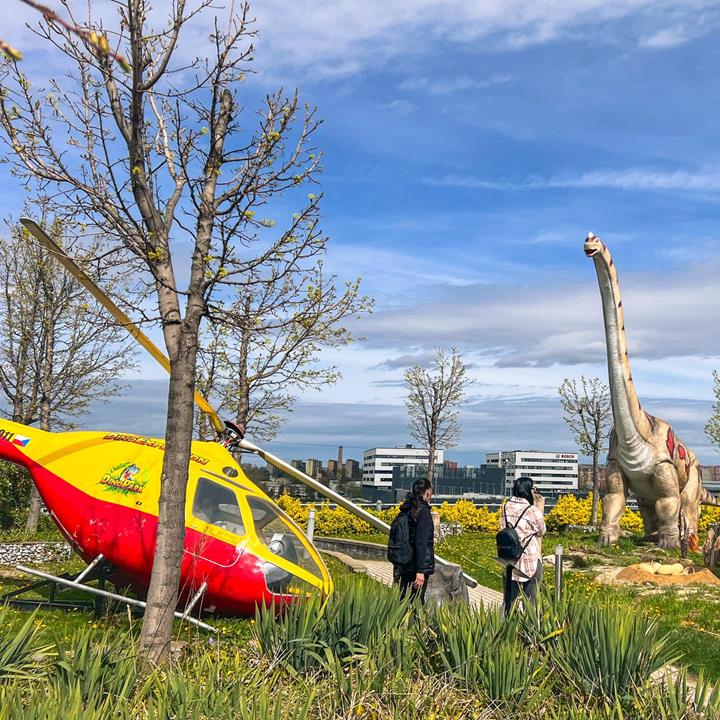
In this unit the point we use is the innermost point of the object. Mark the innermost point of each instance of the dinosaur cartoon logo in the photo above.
(125, 478)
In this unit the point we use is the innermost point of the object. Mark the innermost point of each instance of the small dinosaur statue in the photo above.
(645, 456)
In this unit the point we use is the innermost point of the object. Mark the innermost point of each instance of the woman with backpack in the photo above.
(524, 512)
(419, 534)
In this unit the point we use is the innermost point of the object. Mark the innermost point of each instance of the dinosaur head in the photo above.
(593, 245)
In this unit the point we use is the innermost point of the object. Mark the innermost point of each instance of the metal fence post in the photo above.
(378, 505)
(558, 573)
(311, 525)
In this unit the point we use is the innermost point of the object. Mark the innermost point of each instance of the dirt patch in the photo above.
(693, 575)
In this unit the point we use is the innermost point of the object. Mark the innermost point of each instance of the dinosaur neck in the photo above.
(631, 423)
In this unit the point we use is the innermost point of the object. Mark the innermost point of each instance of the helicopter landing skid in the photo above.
(97, 570)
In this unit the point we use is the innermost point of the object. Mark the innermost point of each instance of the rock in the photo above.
(446, 584)
(33, 553)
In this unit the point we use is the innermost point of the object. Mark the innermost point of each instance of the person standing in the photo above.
(414, 574)
(524, 511)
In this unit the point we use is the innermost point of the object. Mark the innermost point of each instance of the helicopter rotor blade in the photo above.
(79, 274)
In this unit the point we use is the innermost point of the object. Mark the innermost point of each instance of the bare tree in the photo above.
(271, 344)
(95, 39)
(712, 428)
(164, 160)
(433, 402)
(58, 352)
(588, 414)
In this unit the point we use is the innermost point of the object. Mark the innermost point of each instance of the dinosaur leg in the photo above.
(667, 506)
(613, 503)
(690, 507)
(647, 511)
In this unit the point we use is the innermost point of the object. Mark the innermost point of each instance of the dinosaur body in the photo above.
(645, 456)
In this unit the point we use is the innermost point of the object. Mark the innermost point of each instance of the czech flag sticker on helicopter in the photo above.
(20, 440)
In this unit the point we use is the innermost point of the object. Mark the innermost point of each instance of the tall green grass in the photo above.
(366, 654)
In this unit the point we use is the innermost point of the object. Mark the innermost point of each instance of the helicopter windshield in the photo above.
(217, 505)
(279, 536)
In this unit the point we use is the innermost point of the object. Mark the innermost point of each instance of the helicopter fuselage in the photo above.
(102, 490)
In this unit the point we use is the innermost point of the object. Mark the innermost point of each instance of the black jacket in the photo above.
(422, 539)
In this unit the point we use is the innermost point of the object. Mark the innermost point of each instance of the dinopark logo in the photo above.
(125, 478)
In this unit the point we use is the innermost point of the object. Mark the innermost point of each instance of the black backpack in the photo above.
(399, 550)
(508, 542)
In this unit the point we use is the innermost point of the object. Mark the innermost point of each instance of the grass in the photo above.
(690, 616)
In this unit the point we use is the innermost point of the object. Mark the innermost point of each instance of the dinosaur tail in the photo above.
(707, 498)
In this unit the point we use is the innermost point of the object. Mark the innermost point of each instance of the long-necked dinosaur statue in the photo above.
(645, 456)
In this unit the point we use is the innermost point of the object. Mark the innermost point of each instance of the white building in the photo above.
(552, 471)
(378, 463)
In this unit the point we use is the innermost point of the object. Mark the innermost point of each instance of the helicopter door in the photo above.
(216, 523)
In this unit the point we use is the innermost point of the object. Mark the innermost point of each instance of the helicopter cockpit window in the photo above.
(217, 505)
(279, 536)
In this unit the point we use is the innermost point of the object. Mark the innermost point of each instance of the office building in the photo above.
(352, 470)
(452, 481)
(378, 463)
(711, 478)
(313, 467)
(550, 471)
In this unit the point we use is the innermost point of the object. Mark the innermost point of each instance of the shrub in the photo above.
(15, 484)
(469, 516)
(708, 516)
(571, 510)
(606, 650)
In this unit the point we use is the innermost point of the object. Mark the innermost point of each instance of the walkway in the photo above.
(383, 572)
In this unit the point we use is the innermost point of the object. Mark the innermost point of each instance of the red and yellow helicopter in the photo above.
(102, 491)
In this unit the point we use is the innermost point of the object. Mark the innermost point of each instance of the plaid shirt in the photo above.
(531, 522)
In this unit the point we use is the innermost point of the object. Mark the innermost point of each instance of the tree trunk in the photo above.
(34, 512)
(431, 464)
(163, 592)
(595, 489)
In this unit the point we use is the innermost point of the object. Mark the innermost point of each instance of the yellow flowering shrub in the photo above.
(572, 510)
(631, 521)
(708, 515)
(338, 521)
(569, 510)
(469, 516)
(294, 508)
(387, 515)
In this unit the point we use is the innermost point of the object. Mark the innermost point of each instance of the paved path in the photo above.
(383, 572)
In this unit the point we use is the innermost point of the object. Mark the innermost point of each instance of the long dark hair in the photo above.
(522, 488)
(419, 488)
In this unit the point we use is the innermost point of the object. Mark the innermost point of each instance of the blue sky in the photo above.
(469, 147)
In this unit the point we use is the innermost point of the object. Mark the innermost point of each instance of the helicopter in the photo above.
(102, 491)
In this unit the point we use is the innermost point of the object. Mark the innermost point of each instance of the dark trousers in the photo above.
(513, 588)
(406, 582)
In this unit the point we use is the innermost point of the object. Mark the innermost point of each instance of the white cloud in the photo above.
(559, 320)
(304, 38)
(642, 179)
(401, 107)
(666, 38)
(452, 85)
